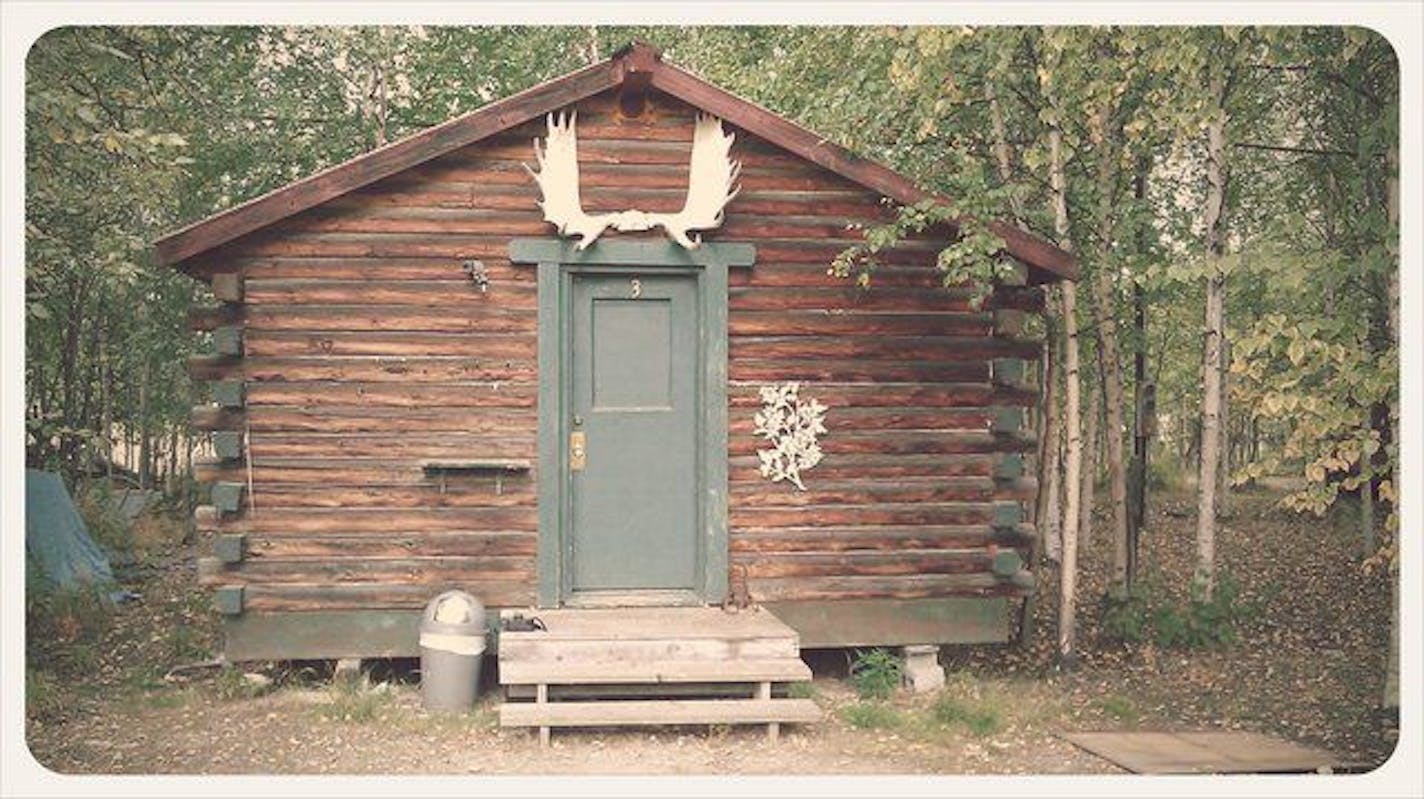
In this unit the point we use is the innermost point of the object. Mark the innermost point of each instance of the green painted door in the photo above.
(634, 501)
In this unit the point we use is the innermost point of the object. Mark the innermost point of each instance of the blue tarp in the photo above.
(56, 540)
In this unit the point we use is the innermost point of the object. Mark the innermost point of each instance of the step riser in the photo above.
(659, 712)
(635, 651)
(684, 690)
(533, 672)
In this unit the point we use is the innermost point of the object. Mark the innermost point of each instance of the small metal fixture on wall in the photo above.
(478, 273)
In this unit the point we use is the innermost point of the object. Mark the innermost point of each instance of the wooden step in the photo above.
(608, 672)
(658, 712)
(650, 634)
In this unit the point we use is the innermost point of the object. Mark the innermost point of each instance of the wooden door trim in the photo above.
(557, 262)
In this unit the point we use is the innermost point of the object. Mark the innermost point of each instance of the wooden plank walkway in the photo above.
(1205, 752)
(610, 661)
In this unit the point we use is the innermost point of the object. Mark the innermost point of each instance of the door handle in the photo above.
(577, 453)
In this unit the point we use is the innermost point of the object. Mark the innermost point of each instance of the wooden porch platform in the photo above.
(652, 666)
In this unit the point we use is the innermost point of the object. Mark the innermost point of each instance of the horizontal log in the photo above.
(769, 543)
(594, 176)
(287, 521)
(916, 371)
(519, 494)
(447, 268)
(854, 419)
(896, 395)
(530, 222)
(395, 395)
(905, 490)
(850, 205)
(267, 343)
(407, 571)
(930, 348)
(332, 472)
(471, 317)
(872, 466)
(904, 562)
(269, 598)
(372, 445)
(847, 299)
(364, 368)
(346, 419)
(426, 293)
(924, 442)
(279, 242)
(917, 513)
(433, 544)
(827, 323)
(896, 587)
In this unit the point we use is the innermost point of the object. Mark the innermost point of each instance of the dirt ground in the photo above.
(1308, 666)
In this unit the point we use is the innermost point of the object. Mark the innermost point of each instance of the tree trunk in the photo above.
(1072, 423)
(1105, 320)
(1223, 473)
(145, 442)
(1211, 351)
(1048, 458)
(1092, 432)
(1142, 424)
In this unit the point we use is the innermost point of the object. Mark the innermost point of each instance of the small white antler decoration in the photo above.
(710, 187)
(792, 427)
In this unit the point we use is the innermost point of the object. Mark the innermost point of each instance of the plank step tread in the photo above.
(552, 672)
(658, 712)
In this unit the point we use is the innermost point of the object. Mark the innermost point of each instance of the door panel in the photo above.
(634, 395)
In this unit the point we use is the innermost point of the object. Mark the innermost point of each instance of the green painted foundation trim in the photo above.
(227, 444)
(325, 634)
(227, 600)
(230, 547)
(227, 497)
(229, 393)
(227, 341)
(896, 622)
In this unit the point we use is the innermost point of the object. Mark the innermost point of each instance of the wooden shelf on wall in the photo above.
(496, 466)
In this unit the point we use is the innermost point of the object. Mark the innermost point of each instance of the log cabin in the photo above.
(611, 374)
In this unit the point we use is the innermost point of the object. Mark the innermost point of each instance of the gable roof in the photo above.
(639, 64)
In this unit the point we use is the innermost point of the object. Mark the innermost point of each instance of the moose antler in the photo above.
(711, 178)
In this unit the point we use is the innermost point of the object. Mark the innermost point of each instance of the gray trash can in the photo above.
(452, 647)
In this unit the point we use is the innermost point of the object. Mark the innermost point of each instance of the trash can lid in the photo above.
(456, 609)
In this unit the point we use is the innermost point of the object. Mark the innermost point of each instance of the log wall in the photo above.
(366, 351)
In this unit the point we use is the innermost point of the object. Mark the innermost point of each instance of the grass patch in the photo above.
(233, 684)
(980, 717)
(107, 526)
(1149, 614)
(872, 716)
(355, 702)
(876, 673)
(42, 695)
(1119, 707)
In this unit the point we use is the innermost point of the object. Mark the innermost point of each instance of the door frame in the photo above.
(558, 261)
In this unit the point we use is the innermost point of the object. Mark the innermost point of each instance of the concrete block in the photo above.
(922, 672)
